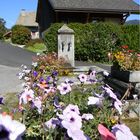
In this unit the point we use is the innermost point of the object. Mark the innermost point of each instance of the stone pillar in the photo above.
(66, 44)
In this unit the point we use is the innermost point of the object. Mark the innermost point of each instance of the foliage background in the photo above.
(2, 28)
(20, 35)
(94, 41)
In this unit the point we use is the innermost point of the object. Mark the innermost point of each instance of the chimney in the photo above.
(23, 12)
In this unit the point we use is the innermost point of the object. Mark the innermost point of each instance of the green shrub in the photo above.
(50, 37)
(20, 35)
(94, 41)
(2, 28)
(130, 36)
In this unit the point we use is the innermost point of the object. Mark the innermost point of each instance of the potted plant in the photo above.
(126, 65)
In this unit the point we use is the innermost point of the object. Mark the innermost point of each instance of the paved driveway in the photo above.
(11, 58)
(14, 56)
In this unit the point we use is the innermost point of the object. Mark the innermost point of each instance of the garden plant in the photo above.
(126, 59)
(52, 110)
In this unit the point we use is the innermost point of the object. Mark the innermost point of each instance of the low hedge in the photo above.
(94, 41)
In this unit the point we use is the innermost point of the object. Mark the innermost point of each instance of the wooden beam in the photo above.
(125, 17)
(56, 16)
(88, 16)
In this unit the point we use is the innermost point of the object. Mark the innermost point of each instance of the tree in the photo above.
(2, 28)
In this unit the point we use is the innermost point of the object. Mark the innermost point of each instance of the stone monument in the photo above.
(66, 44)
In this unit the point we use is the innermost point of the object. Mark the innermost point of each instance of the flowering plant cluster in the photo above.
(126, 59)
(54, 110)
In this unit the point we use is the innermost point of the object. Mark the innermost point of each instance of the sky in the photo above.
(10, 10)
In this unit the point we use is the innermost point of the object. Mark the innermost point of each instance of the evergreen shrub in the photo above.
(20, 35)
(94, 41)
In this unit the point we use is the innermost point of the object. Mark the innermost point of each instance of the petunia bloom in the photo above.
(82, 78)
(72, 121)
(10, 129)
(122, 132)
(38, 104)
(87, 116)
(71, 108)
(64, 88)
(1, 100)
(92, 76)
(94, 101)
(77, 134)
(52, 123)
(26, 96)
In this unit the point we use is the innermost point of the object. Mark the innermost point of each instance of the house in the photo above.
(27, 19)
(83, 11)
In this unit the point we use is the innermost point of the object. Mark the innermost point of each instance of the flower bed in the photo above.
(126, 60)
(126, 65)
(53, 111)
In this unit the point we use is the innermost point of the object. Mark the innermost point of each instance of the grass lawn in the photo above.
(10, 104)
(37, 48)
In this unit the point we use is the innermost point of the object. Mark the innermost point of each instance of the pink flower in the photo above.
(64, 88)
(82, 78)
(105, 133)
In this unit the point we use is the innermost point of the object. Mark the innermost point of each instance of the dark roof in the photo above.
(96, 5)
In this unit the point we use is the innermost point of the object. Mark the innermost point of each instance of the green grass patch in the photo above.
(37, 48)
(11, 105)
(133, 124)
(10, 102)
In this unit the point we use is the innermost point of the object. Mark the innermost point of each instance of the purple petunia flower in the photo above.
(57, 104)
(54, 73)
(82, 78)
(52, 123)
(67, 81)
(48, 79)
(71, 121)
(41, 79)
(94, 101)
(38, 104)
(122, 132)
(10, 129)
(87, 116)
(1, 100)
(77, 134)
(92, 77)
(117, 102)
(64, 88)
(26, 96)
(35, 73)
(71, 108)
